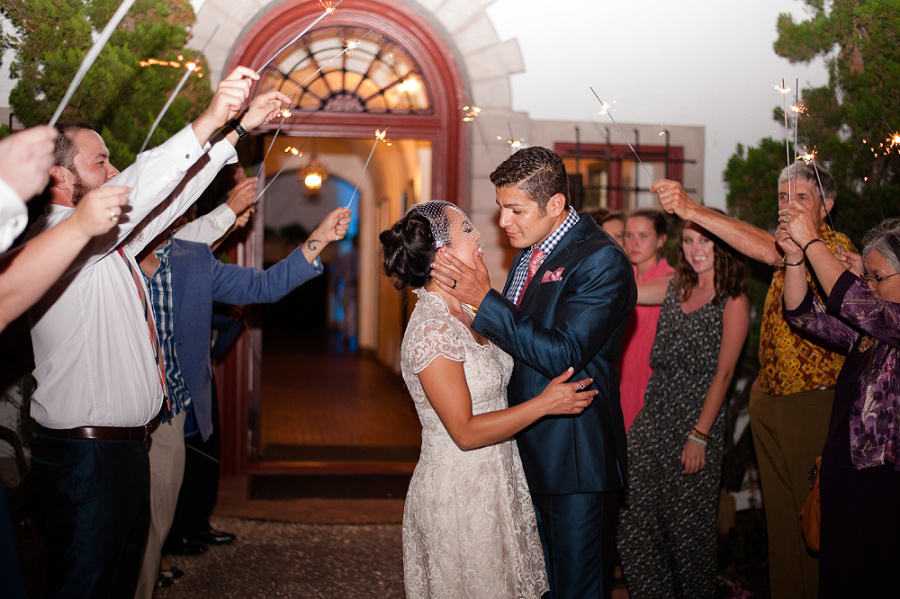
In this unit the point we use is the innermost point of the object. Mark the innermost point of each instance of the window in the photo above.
(374, 77)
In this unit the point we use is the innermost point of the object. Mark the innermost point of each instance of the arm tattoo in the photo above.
(312, 244)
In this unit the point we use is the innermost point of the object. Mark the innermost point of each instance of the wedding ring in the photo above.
(454, 283)
(581, 387)
(113, 217)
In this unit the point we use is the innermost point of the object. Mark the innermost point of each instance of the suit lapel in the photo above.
(557, 257)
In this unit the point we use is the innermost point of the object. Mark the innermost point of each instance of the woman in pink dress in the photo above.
(645, 236)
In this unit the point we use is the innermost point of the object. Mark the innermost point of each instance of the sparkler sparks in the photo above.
(379, 136)
(289, 150)
(605, 110)
(470, 113)
(784, 90)
(329, 8)
(190, 67)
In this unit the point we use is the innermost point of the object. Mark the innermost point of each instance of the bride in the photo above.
(469, 528)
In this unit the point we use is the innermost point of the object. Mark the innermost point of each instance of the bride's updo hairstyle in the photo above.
(409, 246)
(409, 249)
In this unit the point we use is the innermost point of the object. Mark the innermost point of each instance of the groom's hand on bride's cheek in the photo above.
(457, 279)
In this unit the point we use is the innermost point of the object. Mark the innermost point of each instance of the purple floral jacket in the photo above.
(867, 329)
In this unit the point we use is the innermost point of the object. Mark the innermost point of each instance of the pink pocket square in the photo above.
(553, 275)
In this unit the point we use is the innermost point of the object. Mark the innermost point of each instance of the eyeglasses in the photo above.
(877, 279)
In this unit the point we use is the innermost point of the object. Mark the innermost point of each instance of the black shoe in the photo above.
(183, 546)
(215, 537)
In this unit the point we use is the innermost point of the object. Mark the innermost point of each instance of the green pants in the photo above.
(788, 434)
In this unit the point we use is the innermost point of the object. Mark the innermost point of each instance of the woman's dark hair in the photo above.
(611, 216)
(656, 217)
(728, 268)
(408, 251)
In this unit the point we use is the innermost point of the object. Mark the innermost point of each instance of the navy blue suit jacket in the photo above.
(198, 279)
(576, 321)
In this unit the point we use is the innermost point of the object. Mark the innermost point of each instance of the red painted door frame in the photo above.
(443, 128)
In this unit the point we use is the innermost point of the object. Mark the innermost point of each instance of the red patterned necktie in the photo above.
(534, 263)
(151, 326)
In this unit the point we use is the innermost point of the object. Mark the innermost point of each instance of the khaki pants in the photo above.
(788, 433)
(166, 474)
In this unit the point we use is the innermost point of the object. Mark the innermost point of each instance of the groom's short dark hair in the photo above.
(537, 171)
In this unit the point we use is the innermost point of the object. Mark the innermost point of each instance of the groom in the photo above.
(565, 303)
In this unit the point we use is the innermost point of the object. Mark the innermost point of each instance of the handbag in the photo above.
(811, 514)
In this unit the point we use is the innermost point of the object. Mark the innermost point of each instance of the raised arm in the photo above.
(25, 160)
(797, 222)
(27, 272)
(444, 383)
(261, 110)
(208, 228)
(652, 293)
(237, 285)
(743, 237)
(735, 324)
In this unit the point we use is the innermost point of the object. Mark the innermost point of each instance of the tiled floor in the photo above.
(317, 401)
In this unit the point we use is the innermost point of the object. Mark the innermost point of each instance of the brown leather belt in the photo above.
(103, 433)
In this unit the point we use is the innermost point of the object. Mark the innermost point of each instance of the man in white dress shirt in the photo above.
(99, 381)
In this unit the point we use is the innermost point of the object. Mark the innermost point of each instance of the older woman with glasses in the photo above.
(860, 474)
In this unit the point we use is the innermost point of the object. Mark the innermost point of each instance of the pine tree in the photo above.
(850, 121)
(118, 96)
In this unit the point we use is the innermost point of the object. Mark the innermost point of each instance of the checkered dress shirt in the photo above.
(159, 287)
(518, 285)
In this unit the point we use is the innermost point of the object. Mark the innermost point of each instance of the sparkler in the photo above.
(189, 68)
(288, 150)
(379, 136)
(285, 113)
(91, 56)
(787, 152)
(604, 108)
(352, 45)
(796, 109)
(328, 10)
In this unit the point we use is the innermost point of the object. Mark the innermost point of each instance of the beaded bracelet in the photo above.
(696, 432)
(697, 441)
(812, 241)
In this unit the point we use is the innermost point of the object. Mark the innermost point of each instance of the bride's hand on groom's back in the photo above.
(567, 398)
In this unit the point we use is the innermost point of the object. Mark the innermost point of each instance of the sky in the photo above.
(693, 62)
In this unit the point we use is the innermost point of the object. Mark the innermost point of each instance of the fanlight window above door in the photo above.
(374, 76)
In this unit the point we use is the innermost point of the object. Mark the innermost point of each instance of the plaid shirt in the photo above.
(159, 287)
(546, 246)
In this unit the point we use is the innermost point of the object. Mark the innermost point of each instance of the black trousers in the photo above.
(10, 567)
(95, 501)
(200, 486)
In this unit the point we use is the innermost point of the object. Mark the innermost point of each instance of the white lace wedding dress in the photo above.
(469, 528)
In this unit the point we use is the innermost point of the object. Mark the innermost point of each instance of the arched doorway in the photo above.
(401, 78)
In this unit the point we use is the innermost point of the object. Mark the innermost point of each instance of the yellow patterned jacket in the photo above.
(788, 362)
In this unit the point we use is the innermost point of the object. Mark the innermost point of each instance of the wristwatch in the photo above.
(236, 126)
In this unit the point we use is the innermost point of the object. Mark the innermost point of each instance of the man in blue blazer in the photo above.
(566, 303)
(183, 279)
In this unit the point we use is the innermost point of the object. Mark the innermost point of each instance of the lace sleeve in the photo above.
(432, 339)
